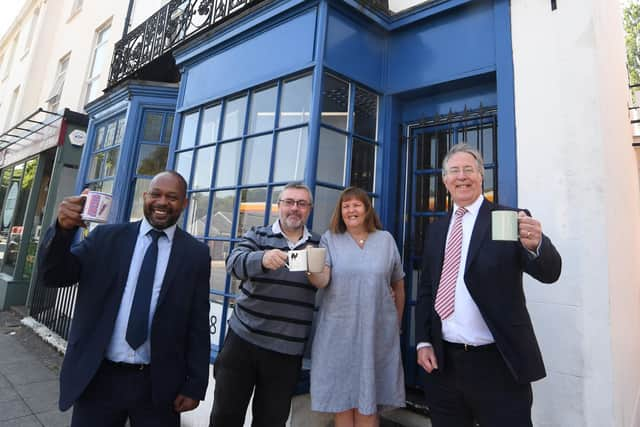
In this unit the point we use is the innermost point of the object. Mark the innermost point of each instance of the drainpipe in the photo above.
(127, 19)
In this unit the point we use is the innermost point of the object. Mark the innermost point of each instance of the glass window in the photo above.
(98, 63)
(363, 160)
(198, 207)
(335, 102)
(204, 167)
(234, 115)
(110, 138)
(104, 160)
(100, 137)
(137, 210)
(295, 101)
(323, 205)
(53, 101)
(111, 162)
(221, 219)
(365, 113)
(275, 195)
(252, 209)
(152, 126)
(257, 160)
(331, 157)
(291, 155)
(166, 135)
(218, 250)
(210, 124)
(228, 164)
(188, 133)
(95, 169)
(152, 159)
(263, 110)
(120, 131)
(183, 164)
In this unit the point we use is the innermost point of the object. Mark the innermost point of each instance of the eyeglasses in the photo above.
(466, 171)
(302, 204)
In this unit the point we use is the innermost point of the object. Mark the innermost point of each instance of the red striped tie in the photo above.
(445, 299)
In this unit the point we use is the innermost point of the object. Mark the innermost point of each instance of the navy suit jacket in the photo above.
(493, 275)
(100, 263)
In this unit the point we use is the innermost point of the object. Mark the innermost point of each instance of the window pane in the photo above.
(228, 164)
(210, 124)
(120, 131)
(291, 155)
(198, 206)
(152, 159)
(431, 148)
(204, 167)
(218, 251)
(335, 102)
(331, 157)
(363, 159)
(95, 170)
(365, 112)
(152, 126)
(183, 164)
(222, 213)
(111, 162)
(137, 212)
(324, 203)
(188, 134)
(110, 139)
(166, 137)
(100, 137)
(489, 185)
(487, 143)
(275, 194)
(257, 159)
(263, 110)
(104, 186)
(295, 101)
(234, 118)
(252, 207)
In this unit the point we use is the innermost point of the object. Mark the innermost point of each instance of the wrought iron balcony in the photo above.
(175, 23)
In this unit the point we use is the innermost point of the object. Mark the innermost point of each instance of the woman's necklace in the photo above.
(360, 239)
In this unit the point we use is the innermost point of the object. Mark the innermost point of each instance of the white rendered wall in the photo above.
(577, 173)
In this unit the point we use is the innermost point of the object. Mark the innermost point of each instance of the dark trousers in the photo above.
(241, 369)
(116, 393)
(476, 386)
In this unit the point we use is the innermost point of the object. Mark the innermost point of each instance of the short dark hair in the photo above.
(180, 178)
(371, 220)
(298, 186)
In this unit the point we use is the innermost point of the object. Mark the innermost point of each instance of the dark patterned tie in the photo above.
(446, 296)
(137, 329)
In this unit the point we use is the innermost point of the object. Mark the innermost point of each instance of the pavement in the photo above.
(29, 370)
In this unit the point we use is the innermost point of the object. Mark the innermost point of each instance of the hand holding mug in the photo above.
(530, 231)
(274, 259)
(70, 211)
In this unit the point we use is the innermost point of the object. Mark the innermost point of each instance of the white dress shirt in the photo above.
(118, 349)
(292, 245)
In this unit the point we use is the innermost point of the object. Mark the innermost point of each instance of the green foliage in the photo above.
(631, 21)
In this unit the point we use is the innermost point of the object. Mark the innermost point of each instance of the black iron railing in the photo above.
(53, 307)
(173, 24)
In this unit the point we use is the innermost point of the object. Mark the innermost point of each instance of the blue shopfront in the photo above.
(329, 92)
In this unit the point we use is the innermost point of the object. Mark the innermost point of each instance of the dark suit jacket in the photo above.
(180, 329)
(493, 275)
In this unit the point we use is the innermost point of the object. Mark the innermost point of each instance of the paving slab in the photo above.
(4, 383)
(40, 396)
(27, 371)
(7, 394)
(55, 418)
(13, 409)
(28, 421)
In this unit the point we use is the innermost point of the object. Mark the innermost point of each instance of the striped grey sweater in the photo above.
(274, 308)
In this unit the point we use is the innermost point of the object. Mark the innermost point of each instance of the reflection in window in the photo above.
(111, 162)
(291, 155)
(228, 164)
(324, 204)
(152, 126)
(198, 207)
(335, 102)
(295, 101)
(331, 157)
(204, 167)
(210, 124)
(363, 160)
(137, 211)
(263, 105)
(221, 219)
(188, 134)
(234, 118)
(275, 196)
(257, 159)
(218, 251)
(152, 159)
(183, 164)
(252, 208)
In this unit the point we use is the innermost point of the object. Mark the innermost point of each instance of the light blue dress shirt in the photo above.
(118, 349)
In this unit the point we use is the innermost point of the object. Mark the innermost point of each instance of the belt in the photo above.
(127, 366)
(468, 347)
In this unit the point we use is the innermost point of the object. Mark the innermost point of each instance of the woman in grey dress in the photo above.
(356, 368)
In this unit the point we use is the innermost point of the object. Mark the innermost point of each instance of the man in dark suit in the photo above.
(474, 334)
(139, 347)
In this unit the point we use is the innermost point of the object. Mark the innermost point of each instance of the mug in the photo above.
(504, 225)
(315, 259)
(297, 260)
(96, 206)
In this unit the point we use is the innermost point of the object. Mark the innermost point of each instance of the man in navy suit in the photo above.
(474, 334)
(116, 368)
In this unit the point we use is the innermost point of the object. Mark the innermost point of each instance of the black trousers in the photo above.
(476, 386)
(241, 369)
(118, 393)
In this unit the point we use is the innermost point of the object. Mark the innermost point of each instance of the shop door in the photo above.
(424, 145)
